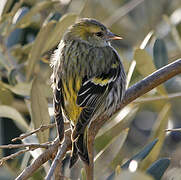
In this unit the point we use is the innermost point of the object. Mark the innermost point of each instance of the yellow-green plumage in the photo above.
(71, 110)
(88, 80)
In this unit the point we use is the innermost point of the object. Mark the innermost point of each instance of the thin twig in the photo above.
(41, 128)
(13, 156)
(31, 146)
(61, 153)
(37, 163)
(44, 157)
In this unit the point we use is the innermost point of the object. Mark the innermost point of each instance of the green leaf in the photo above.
(120, 122)
(22, 89)
(144, 62)
(115, 133)
(146, 40)
(37, 48)
(145, 65)
(158, 168)
(11, 113)
(160, 53)
(112, 176)
(6, 96)
(56, 34)
(12, 76)
(39, 108)
(141, 155)
(123, 134)
(114, 147)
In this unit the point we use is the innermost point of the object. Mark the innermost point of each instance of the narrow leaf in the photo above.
(160, 53)
(158, 168)
(27, 19)
(22, 89)
(123, 135)
(39, 108)
(11, 113)
(114, 128)
(37, 47)
(130, 73)
(107, 154)
(144, 62)
(158, 132)
(6, 97)
(141, 155)
(145, 65)
(146, 40)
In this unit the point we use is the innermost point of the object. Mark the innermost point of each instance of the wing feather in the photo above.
(92, 92)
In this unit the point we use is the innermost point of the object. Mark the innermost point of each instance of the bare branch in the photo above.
(44, 157)
(41, 128)
(12, 156)
(30, 146)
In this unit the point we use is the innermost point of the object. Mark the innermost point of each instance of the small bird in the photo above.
(88, 80)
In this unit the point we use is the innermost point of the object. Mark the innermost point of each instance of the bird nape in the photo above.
(88, 80)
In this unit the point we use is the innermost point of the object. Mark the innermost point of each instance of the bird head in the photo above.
(90, 31)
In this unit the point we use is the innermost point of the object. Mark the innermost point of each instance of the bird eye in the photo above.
(99, 34)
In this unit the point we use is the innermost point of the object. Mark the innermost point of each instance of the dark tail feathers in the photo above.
(79, 149)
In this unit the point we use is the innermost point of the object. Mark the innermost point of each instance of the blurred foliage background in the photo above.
(29, 32)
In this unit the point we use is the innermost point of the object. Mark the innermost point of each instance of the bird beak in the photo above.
(111, 36)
